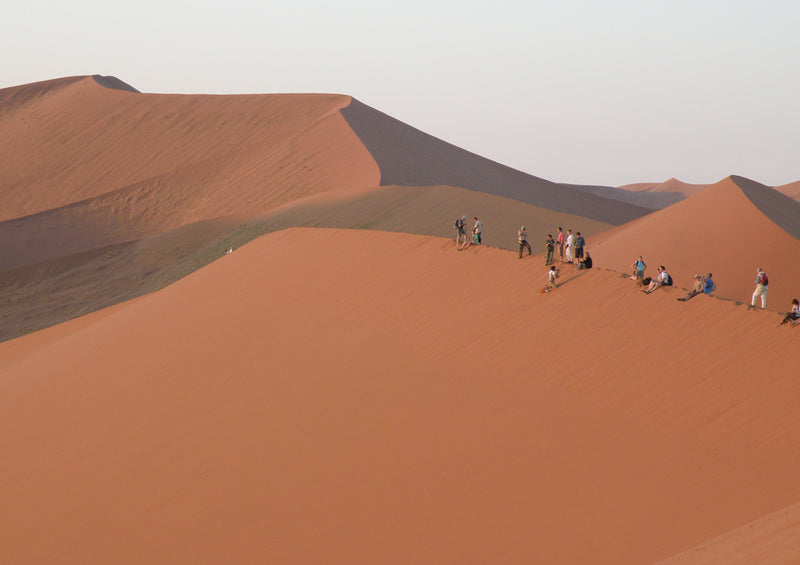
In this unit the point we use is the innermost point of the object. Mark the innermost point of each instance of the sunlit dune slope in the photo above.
(671, 186)
(729, 229)
(186, 157)
(792, 190)
(772, 539)
(409, 157)
(360, 396)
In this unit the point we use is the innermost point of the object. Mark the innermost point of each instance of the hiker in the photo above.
(522, 236)
(662, 279)
(552, 275)
(709, 285)
(793, 315)
(476, 231)
(698, 288)
(549, 246)
(560, 242)
(761, 288)
(461, 233)
(585, 263)
(579, 243)
(568, 243)
(638, 268)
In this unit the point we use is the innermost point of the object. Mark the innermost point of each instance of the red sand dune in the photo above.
(356, 396)
(718, 230)
(792, 190)
(672, 185)
(73, 140)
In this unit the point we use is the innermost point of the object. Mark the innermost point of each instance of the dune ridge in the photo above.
(704, 233)
(478, 421)
(409, 157)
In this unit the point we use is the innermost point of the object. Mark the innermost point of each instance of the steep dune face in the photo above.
(194, 156)
(380, 397)
(409, 157)
(722, 230)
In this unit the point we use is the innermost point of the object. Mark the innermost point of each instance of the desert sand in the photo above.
(371, 394)
(355, 396)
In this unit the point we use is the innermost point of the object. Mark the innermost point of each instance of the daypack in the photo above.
(668, 280)
(764, 279)
(712, 287)
(455, 224)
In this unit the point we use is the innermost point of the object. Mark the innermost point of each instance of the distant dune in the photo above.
(409, 157)
(382, 397)
(672, 186)
(792, 190)
(729, 229)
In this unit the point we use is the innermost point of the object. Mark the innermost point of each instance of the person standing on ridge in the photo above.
(549, 247)
(568, 243)
(560, 242)
(476, 231)
(522, 236)
(461, 232)
(579, 243)
(761, 288)
(638, 269)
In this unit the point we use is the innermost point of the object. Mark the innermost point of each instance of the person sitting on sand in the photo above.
(793, 315)
(638, 268)
(585, 263)
(662, 279)
(698, 288)
(552, 275)
(709, 285)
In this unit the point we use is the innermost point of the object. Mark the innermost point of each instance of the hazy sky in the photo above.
(602, 92)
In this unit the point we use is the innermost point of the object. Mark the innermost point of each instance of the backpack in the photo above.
(668, 280)
(455, 224)
(713, 286)
(764, 279)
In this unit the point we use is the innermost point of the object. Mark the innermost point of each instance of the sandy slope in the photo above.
(719, 230)
(189, 157)
(773, 539)
(357, 396)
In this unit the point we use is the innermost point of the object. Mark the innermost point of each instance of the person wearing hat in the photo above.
(699, 286)
(522, 236)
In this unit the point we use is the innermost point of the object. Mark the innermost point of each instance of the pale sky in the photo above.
(594, 92)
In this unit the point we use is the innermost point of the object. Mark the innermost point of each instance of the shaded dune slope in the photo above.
(227, 418)
(652, 200)
(409, 157)
(91, 169)
(724, 229)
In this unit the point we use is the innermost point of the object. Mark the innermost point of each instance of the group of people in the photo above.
(571, 249)
(462, 242)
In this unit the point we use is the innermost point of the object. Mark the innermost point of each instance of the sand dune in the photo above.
(792, 190)
(722, 230)
(363, 396)
(673, 186)
(73, 140)
(409, 157)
